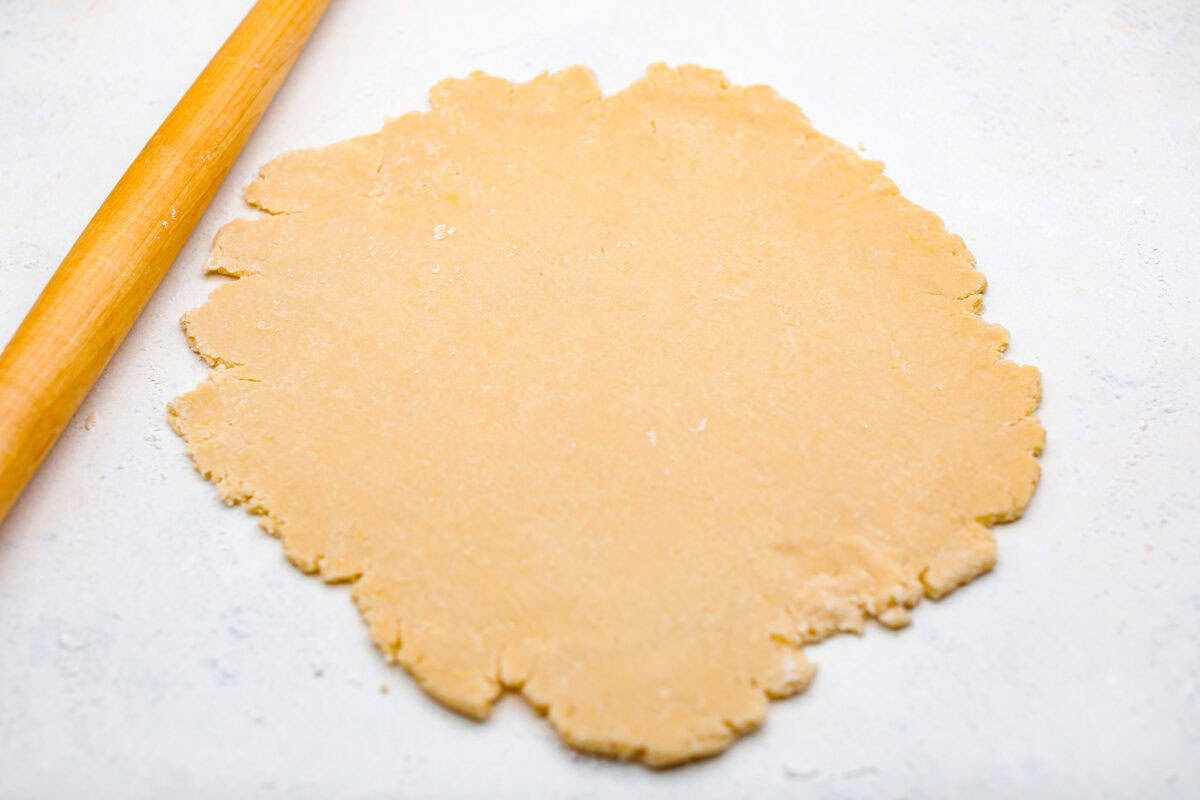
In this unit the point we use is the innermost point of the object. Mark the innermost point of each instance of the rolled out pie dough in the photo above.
(613, 402)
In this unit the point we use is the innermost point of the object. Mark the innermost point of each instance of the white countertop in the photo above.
(154, 643)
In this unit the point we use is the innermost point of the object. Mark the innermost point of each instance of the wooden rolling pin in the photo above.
(104, 282)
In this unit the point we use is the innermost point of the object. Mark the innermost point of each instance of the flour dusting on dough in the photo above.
(612, 402)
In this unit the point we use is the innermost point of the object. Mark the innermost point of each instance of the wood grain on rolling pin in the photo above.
(87, 308)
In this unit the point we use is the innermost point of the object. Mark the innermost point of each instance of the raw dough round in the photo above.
(613, 402)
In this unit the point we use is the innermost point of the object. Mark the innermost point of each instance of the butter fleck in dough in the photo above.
(613, 402)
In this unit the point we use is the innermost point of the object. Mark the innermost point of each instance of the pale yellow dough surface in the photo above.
(613, 402)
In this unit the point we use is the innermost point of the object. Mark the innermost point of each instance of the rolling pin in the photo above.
(102, 285)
